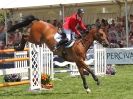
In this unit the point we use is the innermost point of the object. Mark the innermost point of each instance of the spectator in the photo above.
(9, 24)
(103, 23)
(11, 40)
(131, 24)
(48, 21)
(60, 23)
(119, 30)
(113, 23)
(2, 33)
(131, 40)
(113, 36)
(55, 23)
(122, 42)
(97, 23)
(2, 45)
(18, 36)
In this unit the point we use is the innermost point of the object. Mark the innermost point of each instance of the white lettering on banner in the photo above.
(119, 55)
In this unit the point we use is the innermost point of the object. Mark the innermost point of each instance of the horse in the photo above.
(43, 32)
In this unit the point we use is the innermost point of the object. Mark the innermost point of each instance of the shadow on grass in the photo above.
(10, 92)
(28, 93)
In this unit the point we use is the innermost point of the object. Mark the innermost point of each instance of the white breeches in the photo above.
(57, 37)
(70, 35)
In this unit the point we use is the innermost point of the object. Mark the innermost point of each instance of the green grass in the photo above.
(119, 86)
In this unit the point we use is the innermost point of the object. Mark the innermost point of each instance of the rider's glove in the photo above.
(79, 36)
(86, 31)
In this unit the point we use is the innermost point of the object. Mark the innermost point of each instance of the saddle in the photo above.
(64, 41)
(69, 44)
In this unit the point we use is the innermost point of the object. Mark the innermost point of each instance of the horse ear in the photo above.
(97, 30)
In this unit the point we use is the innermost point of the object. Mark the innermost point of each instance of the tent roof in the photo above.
(6, 4)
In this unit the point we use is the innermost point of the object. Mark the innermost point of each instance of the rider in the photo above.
(69, 27)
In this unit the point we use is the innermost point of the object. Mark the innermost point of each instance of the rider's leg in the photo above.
(73, 35)
(62, 38)
(61, 42)
(58, 38)
(66, 36)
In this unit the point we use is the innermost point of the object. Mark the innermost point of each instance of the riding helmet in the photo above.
(80, 10)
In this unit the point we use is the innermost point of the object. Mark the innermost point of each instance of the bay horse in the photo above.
(42, 32)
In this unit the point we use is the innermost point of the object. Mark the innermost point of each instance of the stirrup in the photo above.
(55, 48)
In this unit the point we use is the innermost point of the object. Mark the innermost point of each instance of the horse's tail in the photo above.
(26, 21)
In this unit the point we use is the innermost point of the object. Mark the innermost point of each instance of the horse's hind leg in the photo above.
(90, 71)
(83, 78)
(20, 46)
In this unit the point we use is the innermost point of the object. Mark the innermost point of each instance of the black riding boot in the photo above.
(62, 42)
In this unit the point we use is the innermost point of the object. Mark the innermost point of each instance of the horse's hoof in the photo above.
(88, 90)
(18, 48)
(98, 82)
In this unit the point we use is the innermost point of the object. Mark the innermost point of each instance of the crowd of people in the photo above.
(16, 36)
(116, 32)
(9, 39)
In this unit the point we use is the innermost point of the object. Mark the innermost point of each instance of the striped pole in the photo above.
(13, 60)
(14, 83)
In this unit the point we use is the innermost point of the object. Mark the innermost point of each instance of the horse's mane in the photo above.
(25, 22)
(88, 35)
(91, 31)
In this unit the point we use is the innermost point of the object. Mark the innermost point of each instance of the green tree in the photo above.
(2, 18)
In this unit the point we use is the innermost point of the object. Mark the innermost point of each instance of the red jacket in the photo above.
(71, 23)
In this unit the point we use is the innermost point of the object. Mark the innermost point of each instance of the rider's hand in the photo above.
(86, 31)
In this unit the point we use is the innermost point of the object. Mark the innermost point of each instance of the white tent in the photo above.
(6, 4)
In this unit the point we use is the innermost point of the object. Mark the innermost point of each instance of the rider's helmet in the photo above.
(80, 10)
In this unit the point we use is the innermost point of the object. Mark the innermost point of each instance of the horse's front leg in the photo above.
(83, 78)
(82, 63)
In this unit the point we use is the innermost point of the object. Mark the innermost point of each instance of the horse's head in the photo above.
(101, 37)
